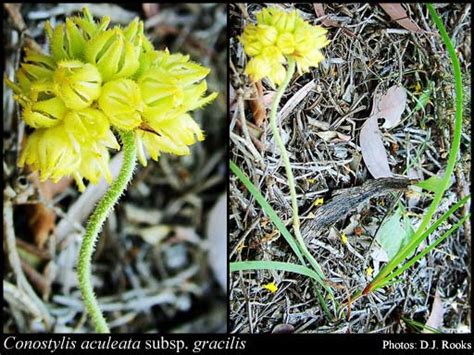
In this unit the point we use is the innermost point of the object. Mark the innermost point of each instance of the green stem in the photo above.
(94, 226)
(289, 173)
(284, 154)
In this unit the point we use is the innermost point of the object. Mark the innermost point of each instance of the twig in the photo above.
(15, 262)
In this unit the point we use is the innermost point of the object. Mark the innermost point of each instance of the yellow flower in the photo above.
(369, 271)
(50, 152)
(113, 54)
(37, 68)
(344, 238)
(319, 201)
(45, 113)
(272, 287)
(89, 127)
(77, 84)
(96, 81)
(277, 36)
(121, 101)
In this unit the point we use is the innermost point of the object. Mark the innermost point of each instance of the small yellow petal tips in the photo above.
(278, 35)
(99, 80)
(272, 287)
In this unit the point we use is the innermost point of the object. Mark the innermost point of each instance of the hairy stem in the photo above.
(283, 152)
(94, 226)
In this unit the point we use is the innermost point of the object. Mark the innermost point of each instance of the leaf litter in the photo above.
(366, 53)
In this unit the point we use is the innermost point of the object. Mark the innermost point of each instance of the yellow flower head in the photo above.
(277, 36)
(97, 81)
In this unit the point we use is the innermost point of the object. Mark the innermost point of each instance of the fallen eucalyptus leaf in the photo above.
(435, 320)
(257, 105)
(394, 234)
(390, 107)
(373, 151)
(398, 14)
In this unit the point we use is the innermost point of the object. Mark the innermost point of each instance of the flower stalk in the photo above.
(281, 146)
(94, 226)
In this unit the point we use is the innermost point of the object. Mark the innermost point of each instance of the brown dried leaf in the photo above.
(319, 10)
(373, 151)
(390, 106)
(397, 13)
(257, 105)
(41, 222)
(150, 9)
(435, 320)
(295, 100)
(42, 219)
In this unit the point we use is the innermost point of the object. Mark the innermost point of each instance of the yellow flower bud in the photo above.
(286, 43)
(170, 78)
(267, 35)
(51, 153)
(43, 114)
(89, 127)
(77, 84)
(66, 41)
(89, 27)
(36, 67)
(113, 55)
(172, 136)
(122, 102)
(257, 68)
(95, 164)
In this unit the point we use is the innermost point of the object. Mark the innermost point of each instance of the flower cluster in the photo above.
(277, 36)
(99, 79)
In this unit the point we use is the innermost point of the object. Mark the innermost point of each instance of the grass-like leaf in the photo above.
(275, 265)
(429, 248)
(269, 211)
(440, 186)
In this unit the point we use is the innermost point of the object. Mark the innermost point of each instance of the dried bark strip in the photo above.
(348, 200)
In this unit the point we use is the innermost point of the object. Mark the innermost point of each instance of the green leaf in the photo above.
(276, 265)
(433, 184)
(395, 233)
(269, 211)
(423, 100)
(410, 232)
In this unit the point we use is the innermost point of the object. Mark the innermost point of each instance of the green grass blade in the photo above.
(269, 211)
(276, 265)
(416, 241)
(417, 326)
(427, 249)
(420, 233)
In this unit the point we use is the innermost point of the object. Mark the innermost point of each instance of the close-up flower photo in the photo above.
(350, 141)
(115, 174)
